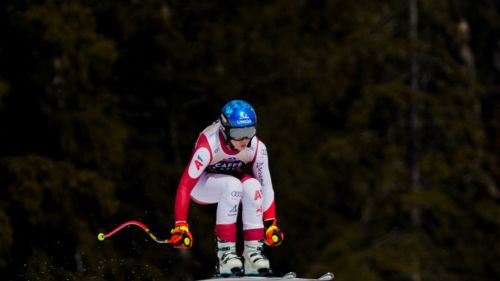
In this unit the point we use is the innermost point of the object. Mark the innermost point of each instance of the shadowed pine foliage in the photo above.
(102, 101)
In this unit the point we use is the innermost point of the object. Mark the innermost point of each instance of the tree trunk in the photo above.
(414, 127)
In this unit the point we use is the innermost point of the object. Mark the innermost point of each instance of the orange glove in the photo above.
(273, 234)
(181, 237)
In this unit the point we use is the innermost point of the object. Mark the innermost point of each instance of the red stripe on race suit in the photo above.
(270, 213)
(253, 234)
(226, 232)
(187, 181)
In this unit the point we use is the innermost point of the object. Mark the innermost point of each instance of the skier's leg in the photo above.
(226, 191)
(253, 229)
(253, 225)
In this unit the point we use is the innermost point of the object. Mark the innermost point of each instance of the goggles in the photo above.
(241, 133)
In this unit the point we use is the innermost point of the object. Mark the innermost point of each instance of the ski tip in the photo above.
(289, 275)
(327, 276)
(100, 236)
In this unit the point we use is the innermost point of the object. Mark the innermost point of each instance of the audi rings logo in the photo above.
(237, 194)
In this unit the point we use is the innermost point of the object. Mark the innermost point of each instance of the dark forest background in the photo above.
(382, 120)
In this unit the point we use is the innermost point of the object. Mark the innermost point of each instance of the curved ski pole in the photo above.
(101, 236)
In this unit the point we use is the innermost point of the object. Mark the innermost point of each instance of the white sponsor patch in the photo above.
(198, 162)
(243, 121)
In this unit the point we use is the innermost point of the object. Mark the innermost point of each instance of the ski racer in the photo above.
(216, 175)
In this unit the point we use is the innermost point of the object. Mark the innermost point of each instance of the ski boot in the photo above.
(229, 264)
(256, 264)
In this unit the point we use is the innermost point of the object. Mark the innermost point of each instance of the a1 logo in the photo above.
(198, 162)
(258, 195)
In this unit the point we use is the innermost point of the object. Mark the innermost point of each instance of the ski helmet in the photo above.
(238, 120)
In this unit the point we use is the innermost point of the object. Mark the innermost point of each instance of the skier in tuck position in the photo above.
(215, 174)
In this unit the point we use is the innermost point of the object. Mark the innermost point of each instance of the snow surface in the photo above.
(289, 276)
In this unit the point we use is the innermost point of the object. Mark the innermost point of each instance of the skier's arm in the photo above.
(273, 234)
(199, 161)
(261, 172)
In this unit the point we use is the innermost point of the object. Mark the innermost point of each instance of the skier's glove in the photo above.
(181, 237)
(273, 234)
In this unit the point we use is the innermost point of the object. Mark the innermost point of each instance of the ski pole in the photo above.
(101, 236)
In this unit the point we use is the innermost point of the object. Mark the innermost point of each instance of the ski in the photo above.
(289, 276)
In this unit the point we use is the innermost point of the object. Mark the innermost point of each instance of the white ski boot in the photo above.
(229, 263)
(255, 262)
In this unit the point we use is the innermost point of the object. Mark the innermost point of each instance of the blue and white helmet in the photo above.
(238, 120)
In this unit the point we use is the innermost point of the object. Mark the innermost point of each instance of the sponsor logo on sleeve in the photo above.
(260, 173)
(198, 162)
